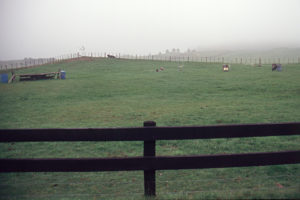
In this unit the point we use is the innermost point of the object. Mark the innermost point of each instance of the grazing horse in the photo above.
(160, 69)
(110, 56)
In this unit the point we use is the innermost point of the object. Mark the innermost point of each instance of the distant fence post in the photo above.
(149, 175)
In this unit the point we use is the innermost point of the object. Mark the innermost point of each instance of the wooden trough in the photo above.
(32, 77)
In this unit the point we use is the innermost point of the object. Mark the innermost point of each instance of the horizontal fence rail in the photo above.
(149, 133)
(149, 163)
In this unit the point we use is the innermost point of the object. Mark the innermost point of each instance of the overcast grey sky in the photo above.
(44, 28)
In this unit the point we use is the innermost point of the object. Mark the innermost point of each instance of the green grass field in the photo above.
(124, 93)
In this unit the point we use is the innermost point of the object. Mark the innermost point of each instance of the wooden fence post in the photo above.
(149, 175)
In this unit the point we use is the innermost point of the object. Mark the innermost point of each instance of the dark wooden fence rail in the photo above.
(149, 162)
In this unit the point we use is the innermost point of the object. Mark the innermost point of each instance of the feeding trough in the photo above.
(40, 76)
(225, 68)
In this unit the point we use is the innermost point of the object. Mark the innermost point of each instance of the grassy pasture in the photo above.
(124, 93)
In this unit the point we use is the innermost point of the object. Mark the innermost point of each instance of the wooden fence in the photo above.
(149, 162)
(254, 60)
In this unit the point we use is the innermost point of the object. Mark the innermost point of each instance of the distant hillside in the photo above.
(277, 52)
(11, 64)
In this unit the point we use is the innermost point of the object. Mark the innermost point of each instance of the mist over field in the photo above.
(167, 99)
(41, 29)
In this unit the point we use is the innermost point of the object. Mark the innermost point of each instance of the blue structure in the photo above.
(4, 78)
(62, 74)
(279, 67)
(276, 67)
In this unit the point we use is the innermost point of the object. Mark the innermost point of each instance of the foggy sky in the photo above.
(45, 28)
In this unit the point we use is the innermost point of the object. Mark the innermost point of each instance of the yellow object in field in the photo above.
(225, 68)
